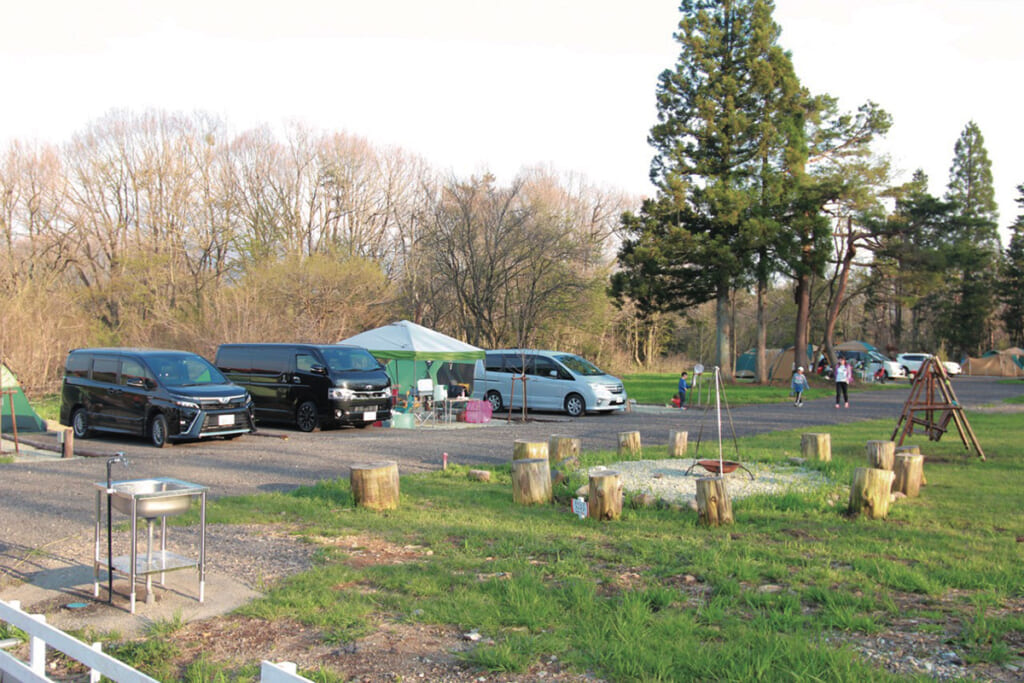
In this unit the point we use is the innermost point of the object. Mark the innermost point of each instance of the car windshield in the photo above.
(179, 370)
(341, 359)
(580, 366)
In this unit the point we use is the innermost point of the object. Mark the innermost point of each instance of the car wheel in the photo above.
(494, 398)
(158, 430)
(574, 405)
(305, 416)
(80, 424)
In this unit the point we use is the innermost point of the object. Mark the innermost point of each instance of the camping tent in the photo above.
(27, 420)
(746, 364)
(782, 365)
(1008, 363)
(412, 352)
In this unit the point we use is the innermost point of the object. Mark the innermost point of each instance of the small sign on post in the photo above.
(579, 507)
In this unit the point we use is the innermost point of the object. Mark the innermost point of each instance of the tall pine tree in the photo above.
(729, 129)
(971, 247)
(1011, 285)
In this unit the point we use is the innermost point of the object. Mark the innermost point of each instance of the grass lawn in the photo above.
(782, 594)
(658, 388)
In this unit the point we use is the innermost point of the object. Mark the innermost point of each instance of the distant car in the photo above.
(952, 368)
(912, 362)
(874, 364)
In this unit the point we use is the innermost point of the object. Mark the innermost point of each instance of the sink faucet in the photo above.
(110, 461)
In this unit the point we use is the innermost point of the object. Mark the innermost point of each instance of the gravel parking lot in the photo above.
(43, 500)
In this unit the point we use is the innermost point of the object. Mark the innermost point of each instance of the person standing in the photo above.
(683, 387)
(844, 373)
(799, 385)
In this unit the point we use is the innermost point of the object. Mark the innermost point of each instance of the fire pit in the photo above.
(720, 467)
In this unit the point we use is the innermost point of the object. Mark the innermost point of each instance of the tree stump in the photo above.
(816, 447)
(713, 505)
(531, 481)
(479, 475)
(604, 501)
(67, 443)
(881, 454)
(677, 443)
(629, 444)
(871, 492)
(529, 450)
(375, 485)
(912, 450)
(562, 447)
(909, 473)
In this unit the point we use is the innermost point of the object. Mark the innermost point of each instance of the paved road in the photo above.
(45, 500)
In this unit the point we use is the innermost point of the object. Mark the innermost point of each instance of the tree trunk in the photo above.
(842, 278)
(629, 444)
(816, 446)
(713, 505)
(871, 492)
(525, 450)
(605, 499)
(375, 485)
(762, 334)
(881, 454)
(531, 481)
(723, 321)
(909, 471)
(562, 447)
(802, 296)
(677, 444)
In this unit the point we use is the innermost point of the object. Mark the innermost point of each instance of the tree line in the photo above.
(762, 184)
(162, 229)
(772, 223)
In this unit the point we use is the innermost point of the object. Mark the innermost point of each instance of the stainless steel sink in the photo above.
(158, 497)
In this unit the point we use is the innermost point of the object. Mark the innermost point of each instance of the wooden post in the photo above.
(528, 450)
(713, 505)
(562, 447)
(870, 492)
(629, 444)
(605, 498)
(909, 473)
(677, 443)
(67, 443)
(881, 454)
(531, 481)
(816, 446)
(375, 485)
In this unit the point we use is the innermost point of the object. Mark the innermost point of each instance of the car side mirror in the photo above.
(136, 382)
(318, 370)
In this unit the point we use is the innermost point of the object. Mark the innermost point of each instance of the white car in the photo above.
(912, 362)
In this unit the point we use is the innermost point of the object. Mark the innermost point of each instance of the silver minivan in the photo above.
(550, 380)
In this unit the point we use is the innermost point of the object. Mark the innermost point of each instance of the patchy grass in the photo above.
(779, 595)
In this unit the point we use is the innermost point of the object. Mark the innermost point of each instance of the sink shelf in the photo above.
(160, 561)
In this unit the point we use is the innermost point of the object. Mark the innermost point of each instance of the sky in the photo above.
(502, 85)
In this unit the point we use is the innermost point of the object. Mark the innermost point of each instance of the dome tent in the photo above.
(411, 352)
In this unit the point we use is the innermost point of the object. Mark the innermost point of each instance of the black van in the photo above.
(163, 395)
(310, 384)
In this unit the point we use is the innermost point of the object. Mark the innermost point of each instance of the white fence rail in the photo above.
(42, 635)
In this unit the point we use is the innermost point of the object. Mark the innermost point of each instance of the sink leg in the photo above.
(133, 555)
(149, 561)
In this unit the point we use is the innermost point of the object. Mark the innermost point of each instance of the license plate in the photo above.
(225, 420)
(370, 416)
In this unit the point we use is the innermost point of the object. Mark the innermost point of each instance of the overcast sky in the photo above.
(503, 84)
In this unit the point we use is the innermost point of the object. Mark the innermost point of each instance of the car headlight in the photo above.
(188, 405)
(340, 394)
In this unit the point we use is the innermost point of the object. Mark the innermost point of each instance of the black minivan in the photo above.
(159, 394)
(310, 385)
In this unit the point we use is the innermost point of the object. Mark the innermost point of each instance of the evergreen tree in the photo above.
(971, 246)
(1011, 286)
(729, 127)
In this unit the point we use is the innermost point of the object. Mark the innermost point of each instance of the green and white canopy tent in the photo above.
(412, 352)
(26, 417)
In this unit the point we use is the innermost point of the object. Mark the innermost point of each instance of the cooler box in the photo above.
(477, 412)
